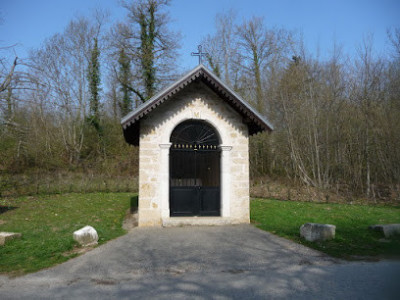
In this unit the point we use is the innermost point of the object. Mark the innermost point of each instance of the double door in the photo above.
(194, 181)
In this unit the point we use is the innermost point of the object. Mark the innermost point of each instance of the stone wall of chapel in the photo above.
(195, 102)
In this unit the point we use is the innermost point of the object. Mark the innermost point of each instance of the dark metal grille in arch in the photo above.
(194, 135)
(194, 170)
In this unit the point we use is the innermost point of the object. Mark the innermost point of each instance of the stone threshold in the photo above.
(198, 221)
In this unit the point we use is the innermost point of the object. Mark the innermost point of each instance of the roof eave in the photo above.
(197, 72)
(141, 108)
(242, 101)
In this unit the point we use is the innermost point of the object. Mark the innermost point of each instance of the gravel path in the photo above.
(227, 262)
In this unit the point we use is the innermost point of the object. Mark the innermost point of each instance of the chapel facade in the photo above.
(193, 152)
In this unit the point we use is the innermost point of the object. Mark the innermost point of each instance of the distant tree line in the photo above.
(336, 120)
(61, 106)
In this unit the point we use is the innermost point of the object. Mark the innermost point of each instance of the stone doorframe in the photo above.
(165, 173)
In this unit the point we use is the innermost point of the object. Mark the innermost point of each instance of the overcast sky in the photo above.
(28, 22)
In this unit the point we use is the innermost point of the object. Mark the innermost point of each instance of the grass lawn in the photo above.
(353, 239)
(47, 224)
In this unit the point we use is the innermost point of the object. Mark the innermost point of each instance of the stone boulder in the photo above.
(86, 236)
(387, 229)
(313, 232)
(7, 236)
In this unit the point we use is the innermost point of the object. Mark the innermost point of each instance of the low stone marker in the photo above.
(7, 236)
(86, 236)
(387, 229)
(317, 232)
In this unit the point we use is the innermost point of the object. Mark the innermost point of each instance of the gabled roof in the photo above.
(256, 123)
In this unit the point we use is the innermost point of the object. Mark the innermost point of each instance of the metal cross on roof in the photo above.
(200, 54)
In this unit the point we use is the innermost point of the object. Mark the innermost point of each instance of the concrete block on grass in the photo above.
(7, 236)
(387, 229)
(314, 232)
(86, 236)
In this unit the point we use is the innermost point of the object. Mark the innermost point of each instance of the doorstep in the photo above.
(198, 221)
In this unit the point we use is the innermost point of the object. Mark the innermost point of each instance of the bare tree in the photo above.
(367, 94)
(222, 48)
(62, 66)
(394, 39)
(259, 50)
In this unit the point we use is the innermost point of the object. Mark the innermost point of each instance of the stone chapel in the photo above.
(193, 152)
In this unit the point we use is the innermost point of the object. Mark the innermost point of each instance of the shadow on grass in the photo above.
(4, 209)
(134, 204)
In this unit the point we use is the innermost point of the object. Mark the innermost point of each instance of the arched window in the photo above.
(194, 134)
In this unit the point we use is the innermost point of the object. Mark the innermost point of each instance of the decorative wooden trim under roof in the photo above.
(255, 122)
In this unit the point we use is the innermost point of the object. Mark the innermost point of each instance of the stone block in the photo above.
(149, 217)
(86, 236)
(240, 193)
(7, 236)
(147, 190)
(387, 229)
(145, 202)
(317, 232)
(237, 169)
(240, 161)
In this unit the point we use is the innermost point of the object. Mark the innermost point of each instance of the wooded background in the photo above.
(337, 120)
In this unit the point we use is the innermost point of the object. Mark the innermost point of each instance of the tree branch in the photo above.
(8, 78)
